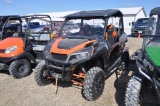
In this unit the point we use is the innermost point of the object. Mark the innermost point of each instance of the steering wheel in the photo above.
(99, 35)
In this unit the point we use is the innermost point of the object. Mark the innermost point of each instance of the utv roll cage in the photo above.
(4, 18)
(29, 18)
(104, 14)
(36, 16)
(95, 14)
(155, 11)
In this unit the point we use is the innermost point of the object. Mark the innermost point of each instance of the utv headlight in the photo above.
(81, 55)
(78, 55)
(10, 49)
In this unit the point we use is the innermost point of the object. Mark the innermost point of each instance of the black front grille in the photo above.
(140, 28)
(59, 56)
(2, 50)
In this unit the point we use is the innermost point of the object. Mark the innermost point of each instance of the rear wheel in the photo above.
(40, 74)
(20, 68)
(132, 96)
(93, 84)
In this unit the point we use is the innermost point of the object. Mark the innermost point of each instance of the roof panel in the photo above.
(7, 16)
(95, 13)
(155, 11)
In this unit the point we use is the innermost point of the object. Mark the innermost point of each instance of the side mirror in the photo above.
(133, 23)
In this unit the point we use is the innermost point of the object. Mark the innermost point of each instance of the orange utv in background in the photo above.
(87, 54)
(20, 47)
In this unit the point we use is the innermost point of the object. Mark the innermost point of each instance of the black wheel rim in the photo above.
(99, 84)
(45, 74)
(122, 65)
(21, 68)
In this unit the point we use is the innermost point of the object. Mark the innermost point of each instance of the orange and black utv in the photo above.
(88, 49)
(19, 47)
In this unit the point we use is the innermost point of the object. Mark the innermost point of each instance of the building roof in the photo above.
(95, 13)
(132, 11)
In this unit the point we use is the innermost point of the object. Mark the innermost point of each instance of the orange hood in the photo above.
(69, 46)
(9, 42)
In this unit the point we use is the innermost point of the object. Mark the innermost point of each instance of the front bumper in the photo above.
(137, 32)
(3, 66)
(60, 69)
(4, 62)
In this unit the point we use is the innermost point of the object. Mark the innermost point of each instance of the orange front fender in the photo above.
(9, 42)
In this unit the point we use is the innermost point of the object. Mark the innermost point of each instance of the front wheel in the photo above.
(40, 74)
(93, 84)
(124, 61)
(132, 96)
(20, 68)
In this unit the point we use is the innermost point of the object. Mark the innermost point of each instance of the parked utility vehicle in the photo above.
(19, 49)
(139, 27)
(144, 86)
(85, 57)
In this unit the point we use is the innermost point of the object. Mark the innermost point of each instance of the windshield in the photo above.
(153, 27)
(83, 28)
(151, 42)
(152, 48)
(142, 21)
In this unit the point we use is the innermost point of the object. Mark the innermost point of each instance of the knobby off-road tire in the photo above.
(20, 68)
(132, 95)
(93, 84)
(39, 76)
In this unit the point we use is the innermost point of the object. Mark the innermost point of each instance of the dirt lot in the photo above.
(25, 92)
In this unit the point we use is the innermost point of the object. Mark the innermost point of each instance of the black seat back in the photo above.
(7, 33)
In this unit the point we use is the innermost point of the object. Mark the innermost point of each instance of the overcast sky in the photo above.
(24, 7)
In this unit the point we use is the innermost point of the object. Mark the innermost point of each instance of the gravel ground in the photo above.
(25, 92)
